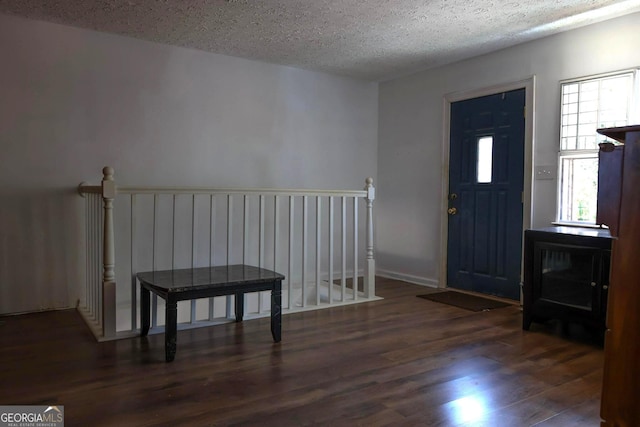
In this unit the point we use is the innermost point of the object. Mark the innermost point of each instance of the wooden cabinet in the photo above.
(621, 383)
(566, 276)
(609, 185)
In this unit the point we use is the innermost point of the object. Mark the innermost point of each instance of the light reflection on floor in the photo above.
(467, 409)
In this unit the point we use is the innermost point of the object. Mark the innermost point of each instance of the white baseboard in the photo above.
(417, 280)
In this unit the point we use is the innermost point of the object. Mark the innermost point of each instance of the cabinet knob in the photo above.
(593, 284)
(605, 287)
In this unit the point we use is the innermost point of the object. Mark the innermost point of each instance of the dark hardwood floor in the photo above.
(401, 361)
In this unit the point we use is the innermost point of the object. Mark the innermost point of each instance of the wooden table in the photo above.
(194, 283)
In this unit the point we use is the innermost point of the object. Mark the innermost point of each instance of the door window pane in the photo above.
(485, 156)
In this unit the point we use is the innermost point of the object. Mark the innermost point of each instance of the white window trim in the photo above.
(634, 118)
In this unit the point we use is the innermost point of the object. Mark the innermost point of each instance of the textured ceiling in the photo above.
(367, 39)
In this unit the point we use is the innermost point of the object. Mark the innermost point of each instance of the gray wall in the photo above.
(410, 172)
(73, 101)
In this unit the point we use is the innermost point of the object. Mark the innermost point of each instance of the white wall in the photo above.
(73, 101)
(411, 129)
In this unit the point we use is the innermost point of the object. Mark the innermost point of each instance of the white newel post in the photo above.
(370, 266)
(108, 260)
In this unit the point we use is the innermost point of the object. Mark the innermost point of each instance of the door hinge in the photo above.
(522, 197)
(524, 112)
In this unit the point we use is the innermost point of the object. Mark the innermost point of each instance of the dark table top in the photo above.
(204, 278)
(577, 231)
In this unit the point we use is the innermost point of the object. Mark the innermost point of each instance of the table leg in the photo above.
(526, 320)
(170, 329)
(276, 311)
(145, 313)
(239, 306)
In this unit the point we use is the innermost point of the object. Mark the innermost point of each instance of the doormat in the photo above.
(466, 301)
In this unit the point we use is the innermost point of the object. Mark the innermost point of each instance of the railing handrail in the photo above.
(86, 188)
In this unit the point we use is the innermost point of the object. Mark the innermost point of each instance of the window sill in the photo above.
(578, 224)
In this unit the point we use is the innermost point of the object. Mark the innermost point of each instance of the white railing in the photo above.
(319, 239)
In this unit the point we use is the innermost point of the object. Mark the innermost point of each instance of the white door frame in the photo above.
(529, 86)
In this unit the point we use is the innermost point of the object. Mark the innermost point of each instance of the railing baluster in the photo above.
(291, 231)
(229, 226)
(261, 234)
(97, 296)
(153, 232)
(87, 258)
(276, 230)
(212, 221)
(91, 262)
(193, 250)
(343, 278)
(229, 307)
(97, 287)
(173, 234)
(91, 230)
(260, 244)
(154, 297)
(212, 225)
(330, 292)
(245, 230)
(355, 248)
(305, 209)
(318, 247)
(134, 263)
(245, 238)
(99, 265)
(93, 273)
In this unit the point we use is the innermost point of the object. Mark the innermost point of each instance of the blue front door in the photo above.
(486, 178)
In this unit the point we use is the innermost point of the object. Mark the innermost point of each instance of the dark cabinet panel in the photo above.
(621, 379)
(609, 186)
(566, 275)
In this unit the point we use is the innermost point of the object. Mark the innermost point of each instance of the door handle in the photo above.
(452, 211)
